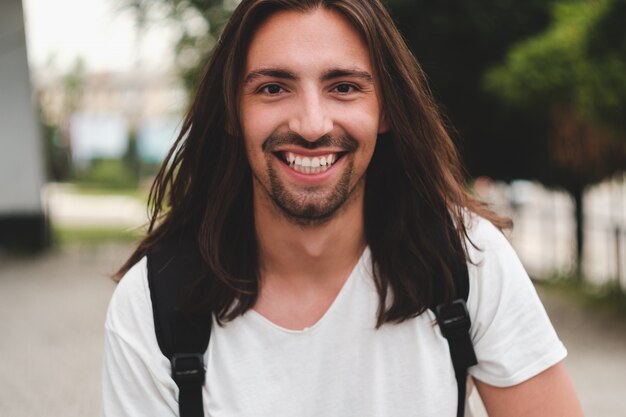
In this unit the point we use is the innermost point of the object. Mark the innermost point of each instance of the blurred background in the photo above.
(92, 93)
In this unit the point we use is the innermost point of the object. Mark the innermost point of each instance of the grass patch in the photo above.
(114, 174)
(610, 297)
(138, 192)
(93, 235)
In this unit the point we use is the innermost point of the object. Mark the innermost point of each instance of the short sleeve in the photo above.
(135, 377)
(512, 334)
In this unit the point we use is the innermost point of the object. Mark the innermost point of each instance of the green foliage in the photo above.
(456, 41)
(111, 174)
(57, 157)
(573, 77)
(200, 23)
(579, 63)
(131, 157)
(609, 298)
(73, 86)
(140, 193)
(541, 70)
(93, 235)
(603, 96)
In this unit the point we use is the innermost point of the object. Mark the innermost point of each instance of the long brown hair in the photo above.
(416, 204)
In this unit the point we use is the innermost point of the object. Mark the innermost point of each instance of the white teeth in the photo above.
(310, 165)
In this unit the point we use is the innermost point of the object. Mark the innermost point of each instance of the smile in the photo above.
(309, 164)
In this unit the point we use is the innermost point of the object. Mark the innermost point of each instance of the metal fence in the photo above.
(544, 233)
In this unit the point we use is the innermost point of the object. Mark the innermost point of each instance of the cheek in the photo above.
(363, 120)
(366, 153)
(255, 131)
(253, 141)
(365, 131)
(256, 157)
(367, 144)
(258, 121)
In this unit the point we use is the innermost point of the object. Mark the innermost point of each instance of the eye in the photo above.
(345, 88)
(271, 89)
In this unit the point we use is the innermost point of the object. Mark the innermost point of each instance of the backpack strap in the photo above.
(454, 322)
(182, 335)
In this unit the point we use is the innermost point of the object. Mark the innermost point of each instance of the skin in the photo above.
(308, 84)
(549, 394)
(301, 85)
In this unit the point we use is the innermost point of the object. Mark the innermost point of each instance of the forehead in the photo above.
(306, 41)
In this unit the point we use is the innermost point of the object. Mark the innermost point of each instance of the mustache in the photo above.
(275, 140)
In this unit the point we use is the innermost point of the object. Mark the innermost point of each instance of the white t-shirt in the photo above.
(342, 366)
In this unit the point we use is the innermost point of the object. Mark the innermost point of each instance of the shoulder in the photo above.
(494, 268)
(136, 376)
(512, 334)
(492, 261)
(493, 264)
(129, 315)
(483, 236)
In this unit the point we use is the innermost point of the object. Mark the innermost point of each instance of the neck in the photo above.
(309, 256)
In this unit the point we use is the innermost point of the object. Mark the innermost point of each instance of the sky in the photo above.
(96, 31)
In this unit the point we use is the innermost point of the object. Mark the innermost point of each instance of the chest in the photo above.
(342, 366)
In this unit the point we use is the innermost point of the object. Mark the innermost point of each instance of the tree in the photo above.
(54, 123)
(200, 22)
(573, 76)
(456, 41)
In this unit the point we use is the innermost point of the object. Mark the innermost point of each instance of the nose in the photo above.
(311, 119)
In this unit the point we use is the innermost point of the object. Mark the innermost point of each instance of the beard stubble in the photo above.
(309, 205)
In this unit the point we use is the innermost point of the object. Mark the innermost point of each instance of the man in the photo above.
(314, 176)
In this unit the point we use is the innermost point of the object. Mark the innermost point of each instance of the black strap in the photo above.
(454, 322)
(188, 372)
(182, 335)
(453, 318)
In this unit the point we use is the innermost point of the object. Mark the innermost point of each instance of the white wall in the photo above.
(21, 158)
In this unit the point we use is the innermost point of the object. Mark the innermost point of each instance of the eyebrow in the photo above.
(351, 73)
(326, 76)
(270, 72)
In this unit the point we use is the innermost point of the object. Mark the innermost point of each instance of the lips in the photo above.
(307, 164)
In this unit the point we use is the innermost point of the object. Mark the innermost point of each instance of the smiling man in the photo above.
(310, 116)
(314, 204)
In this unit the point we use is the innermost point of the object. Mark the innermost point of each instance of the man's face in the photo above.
(310, 113)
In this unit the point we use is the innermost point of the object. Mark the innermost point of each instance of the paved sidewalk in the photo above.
(52, 310)
(51, 323)
(68, 206)
(596, 343)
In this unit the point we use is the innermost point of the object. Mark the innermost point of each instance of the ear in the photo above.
(383, 126)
